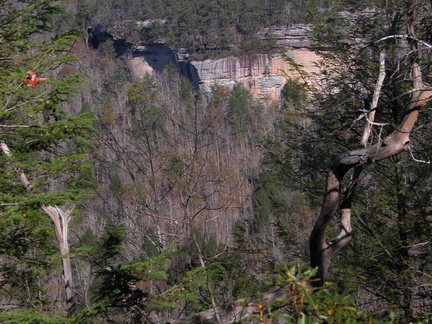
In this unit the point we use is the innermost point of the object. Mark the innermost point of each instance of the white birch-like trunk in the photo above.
(61, 218)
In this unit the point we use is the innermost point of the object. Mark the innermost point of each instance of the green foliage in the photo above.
(379, 262)
(149, 117)
(86, 9)
(194, 283)
(17, 23)
(312, 305)
(293, 95)
(268, 199)
(242, 110)
(240, 234)
(390, 230)
(33, 317)
(127, 288)
(151, 168)
(48, 142)
(110, 49)
(44, 140)
(251, 45)
(206, 28)
(227, 274)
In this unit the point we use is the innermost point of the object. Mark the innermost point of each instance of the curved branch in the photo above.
(322, 252)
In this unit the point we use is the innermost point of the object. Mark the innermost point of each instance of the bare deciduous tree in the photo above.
(336, 200)
(322, 252)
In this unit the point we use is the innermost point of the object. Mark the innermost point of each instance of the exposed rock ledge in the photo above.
(263, 74)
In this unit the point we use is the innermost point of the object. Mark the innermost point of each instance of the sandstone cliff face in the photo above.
(263, 74)
(259, 73)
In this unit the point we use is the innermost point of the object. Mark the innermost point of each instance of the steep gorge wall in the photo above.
(263, 74)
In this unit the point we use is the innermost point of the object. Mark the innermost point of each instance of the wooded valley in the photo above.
(144, 199)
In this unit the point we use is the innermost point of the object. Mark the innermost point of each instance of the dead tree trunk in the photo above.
(321, 251)
(60, 218)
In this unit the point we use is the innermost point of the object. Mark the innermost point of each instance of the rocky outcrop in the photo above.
(263, 74)
(291, 36)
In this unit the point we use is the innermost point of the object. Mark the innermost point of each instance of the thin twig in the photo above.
(14, 126)
(415, 159)
(404, 37)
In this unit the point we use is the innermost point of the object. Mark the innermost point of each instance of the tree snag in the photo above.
(321, 251)
(60, 218)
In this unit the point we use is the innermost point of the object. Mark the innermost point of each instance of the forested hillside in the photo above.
(132, 198)
(206, 28)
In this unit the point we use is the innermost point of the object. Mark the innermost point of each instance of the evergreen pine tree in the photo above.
(43, 147)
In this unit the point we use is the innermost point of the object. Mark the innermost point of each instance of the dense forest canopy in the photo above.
(205, 28)
(130, 199)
